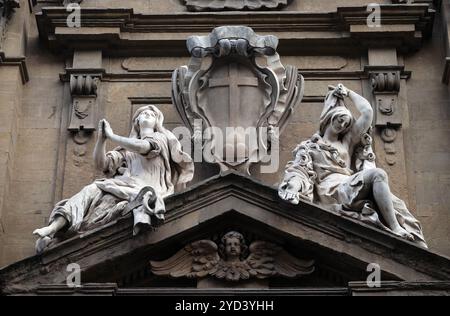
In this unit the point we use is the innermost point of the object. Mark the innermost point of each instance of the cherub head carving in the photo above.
(233, 247)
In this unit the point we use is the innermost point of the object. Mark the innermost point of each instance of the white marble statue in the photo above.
(150, 157)
(336, 169)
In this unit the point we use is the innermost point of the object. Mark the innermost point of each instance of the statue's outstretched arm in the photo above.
(132, 144)
(100, 149)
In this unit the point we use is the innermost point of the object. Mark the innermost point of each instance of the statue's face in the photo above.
(147, 119)
(233, 247)
(340, 123)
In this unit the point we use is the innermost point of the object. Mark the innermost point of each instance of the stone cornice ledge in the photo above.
(122, 32)
(18, 61)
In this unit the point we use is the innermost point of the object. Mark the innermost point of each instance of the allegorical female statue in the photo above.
(336, 169)
(149, 164)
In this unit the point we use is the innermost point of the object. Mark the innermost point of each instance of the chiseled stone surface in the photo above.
(41, 164)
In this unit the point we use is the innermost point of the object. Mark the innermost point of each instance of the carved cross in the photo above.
(234, 81)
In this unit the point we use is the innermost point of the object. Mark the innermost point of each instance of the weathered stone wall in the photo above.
(37, 154)
(30, 115)
(428, 141)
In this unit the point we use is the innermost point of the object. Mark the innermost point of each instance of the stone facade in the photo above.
(131, 48)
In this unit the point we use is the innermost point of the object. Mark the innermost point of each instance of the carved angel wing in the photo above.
(196, 260)
(268, 260)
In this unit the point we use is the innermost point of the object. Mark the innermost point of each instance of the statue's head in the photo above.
(336, 117)
(233, 246)
(147, 117)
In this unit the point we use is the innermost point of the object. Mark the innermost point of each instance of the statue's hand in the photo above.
(107, 129)
(101, 131)
(342, 90)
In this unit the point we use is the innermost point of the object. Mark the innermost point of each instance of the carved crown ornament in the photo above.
(217, 5)
(232, 260)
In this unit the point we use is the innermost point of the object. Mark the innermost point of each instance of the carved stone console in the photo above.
(84, 78)
(385, 82)
(83, 88)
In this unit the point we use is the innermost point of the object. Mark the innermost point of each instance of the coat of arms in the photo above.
(236, 95)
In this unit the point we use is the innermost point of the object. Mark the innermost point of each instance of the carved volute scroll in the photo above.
(83, 88)
(386, 85)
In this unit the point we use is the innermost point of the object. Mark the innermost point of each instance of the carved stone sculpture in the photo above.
(217, 5)
(235, 80)
(145, 169)
(232, 261)
(336, 169)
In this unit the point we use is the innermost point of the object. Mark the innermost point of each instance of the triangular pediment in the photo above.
(342, 248)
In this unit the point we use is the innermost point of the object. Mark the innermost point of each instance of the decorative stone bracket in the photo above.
(385, 83)
(83, 88)
(386, 87)
(84, 77)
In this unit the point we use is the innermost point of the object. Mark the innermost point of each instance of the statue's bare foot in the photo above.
(401, 232)
(44, 232)
(42, 244)
(290, 197)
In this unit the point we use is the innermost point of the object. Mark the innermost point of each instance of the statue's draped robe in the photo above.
(337, 187)
(129, 172)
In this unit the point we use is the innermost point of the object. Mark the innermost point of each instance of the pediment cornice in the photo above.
(123, 32)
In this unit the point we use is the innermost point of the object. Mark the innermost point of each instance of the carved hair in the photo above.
(135, 130)
(334, 107)
(176, 155)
